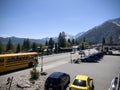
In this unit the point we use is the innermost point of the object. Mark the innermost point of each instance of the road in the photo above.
(102, 72)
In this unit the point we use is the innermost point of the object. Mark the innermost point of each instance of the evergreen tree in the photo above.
(111, 40)
(24, 45)
(56, 48)
(76, 42)
(18, 48)
(51, 43)
(103, 41)
(34, 47)
(46, 43)
(9, 45)
(84, 39)
(73, 41)
(27, 44)
(1, 47)
(69, 41)
(62, 40)
(82, 46)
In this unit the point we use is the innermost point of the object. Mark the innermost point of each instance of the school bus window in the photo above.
(25, 58)
(10, 59)
(17, 58)
(1, 60)
(30, 57)
(13, 59)
(22, 58)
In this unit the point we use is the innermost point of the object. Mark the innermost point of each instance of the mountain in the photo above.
(110, 28)
(106, 30)
(17, 40)
(79, 34)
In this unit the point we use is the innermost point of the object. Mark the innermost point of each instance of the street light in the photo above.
(42, 62)
(39, 50)
(71, 56)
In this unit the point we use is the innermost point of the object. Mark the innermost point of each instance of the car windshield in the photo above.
(79, 82)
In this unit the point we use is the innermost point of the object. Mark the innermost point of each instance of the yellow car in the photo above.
(82, 82)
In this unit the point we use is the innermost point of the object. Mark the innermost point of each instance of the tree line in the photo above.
(28, 46)
(50, 45)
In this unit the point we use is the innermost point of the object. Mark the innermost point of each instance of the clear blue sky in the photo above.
(47, 18)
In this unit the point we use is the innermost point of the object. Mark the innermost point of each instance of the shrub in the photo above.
(34, 74)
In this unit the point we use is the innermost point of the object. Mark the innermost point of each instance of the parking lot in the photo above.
(102, 71)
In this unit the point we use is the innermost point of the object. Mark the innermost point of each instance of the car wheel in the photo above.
(92, 87)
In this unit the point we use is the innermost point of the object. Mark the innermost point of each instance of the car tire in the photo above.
(92, 87)
(30, 64)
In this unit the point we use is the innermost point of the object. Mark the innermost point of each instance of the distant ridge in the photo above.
(106, 30)
(16, 40)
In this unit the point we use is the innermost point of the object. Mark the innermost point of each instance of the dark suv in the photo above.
(57, 81)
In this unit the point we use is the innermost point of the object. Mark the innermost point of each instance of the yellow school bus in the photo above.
(15, 61)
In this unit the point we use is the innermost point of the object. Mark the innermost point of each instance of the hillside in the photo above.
(106, 30)
(17, 40)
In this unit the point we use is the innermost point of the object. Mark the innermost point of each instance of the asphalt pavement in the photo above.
(102, 72)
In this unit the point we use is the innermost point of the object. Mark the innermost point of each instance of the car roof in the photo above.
(81, 77)
(56, 75)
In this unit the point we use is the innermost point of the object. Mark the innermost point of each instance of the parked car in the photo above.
(77, 60)
(82, 82)
(81, 52)
(114, 84)
(99, 55)
(90, 58)
(57, 81)
(108, 52)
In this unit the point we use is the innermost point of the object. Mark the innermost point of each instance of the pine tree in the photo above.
(51, 43)
(18, 48)
(9, 45)
(84, 39)
(69, 41)
(76, 42)
(24, 45)
(56, 48)
(34, 47)
(103, 41)
(27, 44)
(111, 40)
(62, 40)
(46, 43)
(1, 47)
(73, 41)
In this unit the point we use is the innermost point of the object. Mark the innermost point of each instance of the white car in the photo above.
(114, 84)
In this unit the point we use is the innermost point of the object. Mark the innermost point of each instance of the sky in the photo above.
(38, 19)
